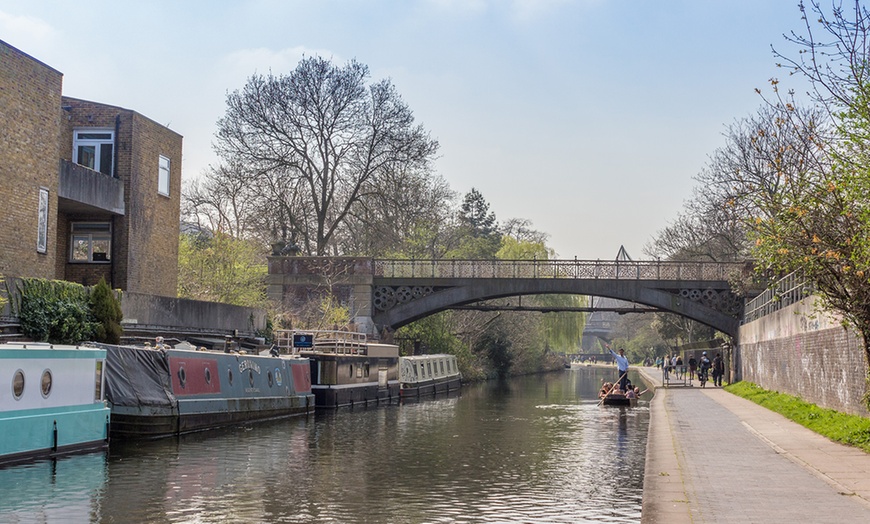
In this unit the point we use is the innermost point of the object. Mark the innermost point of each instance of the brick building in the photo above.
(91, 190)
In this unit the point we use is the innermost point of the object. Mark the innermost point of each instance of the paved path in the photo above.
(713, 457)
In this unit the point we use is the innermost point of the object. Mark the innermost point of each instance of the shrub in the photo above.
(106, 311)
(54, 311)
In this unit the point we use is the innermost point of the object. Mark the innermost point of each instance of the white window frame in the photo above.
(90, 232)
(163, 175)
(80, 140)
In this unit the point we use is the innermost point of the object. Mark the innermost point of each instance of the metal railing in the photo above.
(788, 290)
(578, 269)
(323, 341)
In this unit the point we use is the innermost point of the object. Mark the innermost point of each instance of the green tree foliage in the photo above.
(478, 229)
(219, 268)
(54, 311)
(818, 218)
(106, 311)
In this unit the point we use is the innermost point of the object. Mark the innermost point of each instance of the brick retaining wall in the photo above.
(809, 355)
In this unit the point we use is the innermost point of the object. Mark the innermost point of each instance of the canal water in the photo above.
(533, 449)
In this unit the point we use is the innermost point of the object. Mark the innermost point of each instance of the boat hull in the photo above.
(59, 407)
(431, 388)
(159, 393)
(619, 400)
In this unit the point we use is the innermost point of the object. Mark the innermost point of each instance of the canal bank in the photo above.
(714, 457)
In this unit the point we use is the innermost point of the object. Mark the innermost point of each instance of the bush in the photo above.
(106, 311)
(54, 311)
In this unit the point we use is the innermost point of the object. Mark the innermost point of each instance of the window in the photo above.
(163, 176)
(90, 242)
(94, 148)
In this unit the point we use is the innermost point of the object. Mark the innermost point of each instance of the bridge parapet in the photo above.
(583, 269)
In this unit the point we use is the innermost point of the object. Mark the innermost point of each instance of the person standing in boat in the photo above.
(621, 367)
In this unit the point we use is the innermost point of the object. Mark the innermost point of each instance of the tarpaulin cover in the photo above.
(137, 377)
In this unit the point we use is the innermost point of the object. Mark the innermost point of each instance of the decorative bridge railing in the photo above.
(585, 269)
(790, 289)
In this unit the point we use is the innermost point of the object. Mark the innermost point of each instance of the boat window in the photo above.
(351, 371)
(182, 377)
(269, 378)
(18, 384)
(230, 376)
(367, 369)
(278, 378)
(207, 376)
(46, 383)
(98, 381)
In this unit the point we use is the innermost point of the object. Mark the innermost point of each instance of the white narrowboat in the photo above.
(51, 400)
(428, 375)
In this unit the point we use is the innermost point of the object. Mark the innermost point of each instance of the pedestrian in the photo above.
(693, 366)
(621, 367)
(718, 369)
(681, 371)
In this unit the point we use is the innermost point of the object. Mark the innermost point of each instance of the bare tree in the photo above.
(322, 139)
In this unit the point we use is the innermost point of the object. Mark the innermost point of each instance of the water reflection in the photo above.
(67, 489)
(534, 449)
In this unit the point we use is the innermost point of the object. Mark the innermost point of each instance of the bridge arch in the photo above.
(666, 296)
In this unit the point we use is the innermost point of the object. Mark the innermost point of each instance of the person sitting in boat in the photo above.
(605, 389)
(617, 390)
(631, 393)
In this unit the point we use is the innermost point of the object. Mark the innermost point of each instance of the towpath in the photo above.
(713, 457)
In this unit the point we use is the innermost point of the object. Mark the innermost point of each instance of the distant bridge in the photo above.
(392, 293)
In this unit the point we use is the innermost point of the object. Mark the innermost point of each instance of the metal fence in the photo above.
(580, 269)
(788, 290)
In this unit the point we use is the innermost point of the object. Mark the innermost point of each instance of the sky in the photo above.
(588, 118)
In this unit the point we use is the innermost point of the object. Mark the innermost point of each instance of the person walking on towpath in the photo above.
(718, 369)
(621, 367)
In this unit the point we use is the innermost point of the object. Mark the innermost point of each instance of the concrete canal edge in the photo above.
(668, 496)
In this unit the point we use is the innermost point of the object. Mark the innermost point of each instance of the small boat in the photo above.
(162, 391)
(52, 403)
(346, 369)
(427, 375)
(618, 400)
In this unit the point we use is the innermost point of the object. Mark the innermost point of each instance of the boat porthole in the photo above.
(278, 378)
(18, 384)
(269, 377)
(251, 377)
(207, 376)
(46, 383)
(230, 376)
(182, 377)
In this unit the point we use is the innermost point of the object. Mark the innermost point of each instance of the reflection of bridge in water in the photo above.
(392, 293)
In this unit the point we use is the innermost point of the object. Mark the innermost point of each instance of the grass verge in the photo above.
(853, 430)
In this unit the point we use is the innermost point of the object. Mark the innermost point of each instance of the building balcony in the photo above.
(81, 189)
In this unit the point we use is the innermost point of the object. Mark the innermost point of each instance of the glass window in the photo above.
(98, 382)
(18, 384)
(90, 242)
(46, 383)
(94, 148)
(163, 176)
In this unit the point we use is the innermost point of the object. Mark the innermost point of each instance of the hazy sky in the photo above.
(587, 117)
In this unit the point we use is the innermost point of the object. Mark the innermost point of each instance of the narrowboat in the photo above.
(162, 391)
(426, 375)
(51, 401)
(346, 368)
